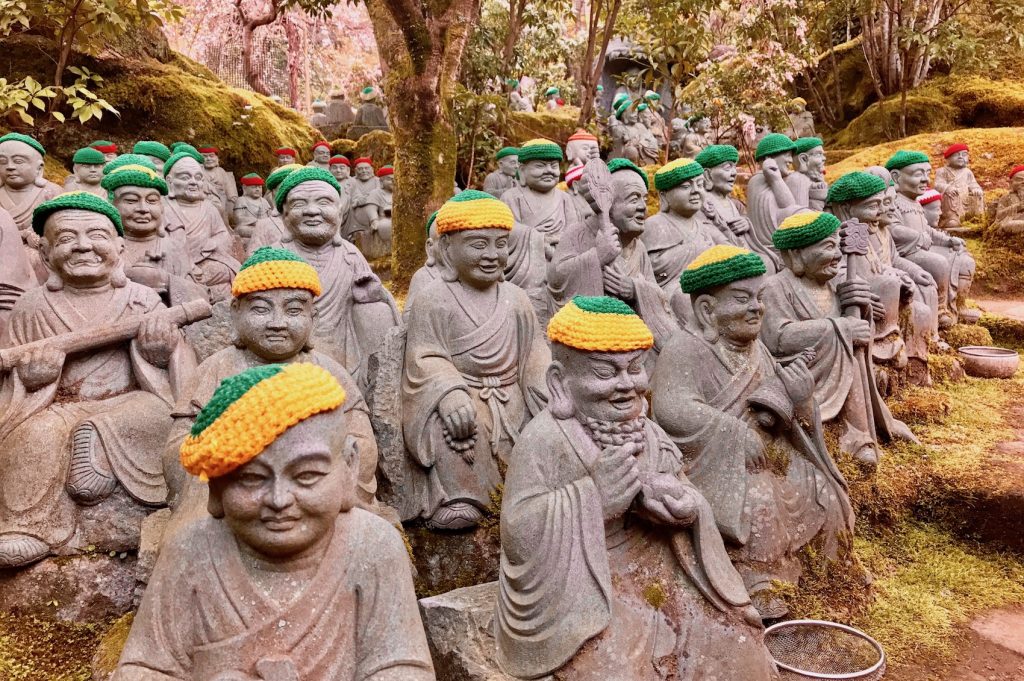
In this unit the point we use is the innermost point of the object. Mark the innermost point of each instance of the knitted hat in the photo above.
(652, 96)
(506, 151)
(186, 148)
(551, 91)
(599, 324)
(904, 158)
(208, 150)
(1015, 170)
(127, 160)
(175, 146)
(582, 136)
(363, 159)
(540, 150)
(619, 99)
(929, 196)
(367, 93)
(177, 156)
(285, 151)
(296, 178)
(674, 173)
(151, 148)
(622, 107)
(717, 154)
(89, 156)
(340, 161)
(512, 83)
(617, 164)
(642, 107)
(803, 229)
(104, 146)
(269, 268)
(385, 170)
(720, 265)
(805, 144)
(572, 174)
(252, 180)
(134, 175)
(773, 144)
(24, 139)
(75, 201)
(600, 88)
(954, 148)
(322, 143)
(250, 410)
(472, 209)
(854, 186)
(431, 220)
(275, 178)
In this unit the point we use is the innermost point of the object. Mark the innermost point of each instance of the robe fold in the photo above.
(574, 589)
(356, 619)
(801, 186)
(376, 243)
(267, 231)
(765, 217)
(16, 275)
(358, 192)
(208, 243)
(551, 218)
(497, 183)
(958, 199)
(422, 278)
(245, 213)
(19, 205)
(169, 255)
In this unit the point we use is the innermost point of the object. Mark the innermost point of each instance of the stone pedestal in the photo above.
(86, 588)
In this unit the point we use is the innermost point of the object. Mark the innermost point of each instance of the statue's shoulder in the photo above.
(372, 539)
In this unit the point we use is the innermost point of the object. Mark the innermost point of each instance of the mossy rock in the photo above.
(378, 145)
(108, 652)
(1006, 332)
(1000, 265)
(54, 170)
(344, 147)
(557, 126)
(924, 114)
(960, 335)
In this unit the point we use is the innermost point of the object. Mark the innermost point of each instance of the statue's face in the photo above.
(210, 161)
(312, 212)
(88, 173)
(284, 503)
(958, 160)
(158, 162)
(109, 156)
(687, 198)
(606, 386)
(912, 180)
(932, 212)
(187, 180)
(1017, 183)
(364, 171)
(478, 256)
(629, 116)
(274, 325)
(322, 155)
(722, 177)
(785, 161)
(20, 164)
(822, 260)
(678, 127)
(285, 159)
(737, 310)
(816, 162)
(539, 175)
(340, 171)
(509, 165)
(141, 209)
(890, 212)
(869, 210)
(82, 247)
(387, 183)
(629, 210)
(252, 191)
(702, 126)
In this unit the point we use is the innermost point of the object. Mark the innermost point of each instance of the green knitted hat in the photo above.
(177, 156)
(854, 187)
(717, 154)
(720, 265)
(512, 82)
(540, 150)
(551, 91)
(151, 148)
(88, 156)
(619, 99)
(772, 144)
(617, 164)
(127, 160)
(296, 178)
(430, 221)
(674, 173)
(134, 175)
(24, 139)
(904, 158)
(75, 201)
(805, 144)
(622, 107)
(507, 151)
(277, 177)
(803, 229)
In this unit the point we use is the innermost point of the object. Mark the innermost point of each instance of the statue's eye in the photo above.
(308, 478)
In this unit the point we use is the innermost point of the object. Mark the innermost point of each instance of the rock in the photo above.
(446, 561)
(213, 334)
(149, 543)
(111, 525)
(383, 397)
(89, 588)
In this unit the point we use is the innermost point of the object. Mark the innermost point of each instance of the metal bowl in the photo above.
(985, 362)
(807, 650)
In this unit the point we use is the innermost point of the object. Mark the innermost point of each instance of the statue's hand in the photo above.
(922, 278)
(877, 310)
(30, 238)
(147, 275)
(8, 297)
(665, 499)
(41, 367)
(740, 225)
(458, 415)
(926, 241)
(157, 339)
(618, 283)
(797, 380)
(854, 293)
(771, 170)
(858, 330)
(607, 243)
(956, 243)
(617, 478)
(754, 450)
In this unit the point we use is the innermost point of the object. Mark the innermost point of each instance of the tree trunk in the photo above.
(250, 69)
(592, 67)
(516, 9)
(293, 34)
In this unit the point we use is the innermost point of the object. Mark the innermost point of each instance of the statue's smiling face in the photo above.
(629, 211)
(141, 209)
(82, 247)
(478, 256)
(312, 212)
(722, 177)
(737, 310)
(20, 164)
(210, 160)
(821, 261)
(869, 210)
(364, 171)
(187, 179)
(340, 171)
(912, 180)
(322, 154)
(274, 325)
(816, 163)
(686, 198)
(958, 160)
(606, 386)
(252, 191)
(540, 175)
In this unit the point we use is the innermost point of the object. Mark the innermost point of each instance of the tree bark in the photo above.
(294, 35)
(250, 70)
(592, 67)
(516, 9)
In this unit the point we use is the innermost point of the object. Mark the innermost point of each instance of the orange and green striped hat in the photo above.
(540, 150)
(720, 265)
(803, 229)
(674, 173)
(472, 209)
(269, 268)
(599, 324)
(250, 410)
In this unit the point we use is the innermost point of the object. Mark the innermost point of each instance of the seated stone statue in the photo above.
(696, 138)
(516, 100)
(156, 152)
(354, 312)
(106, 147)
(581, 147)
(931, 201)
(79, 420)
(806, 308)
(358, 190)
(1009, 217)
(370, 115)
(652, 117)
(285, 578)
(749, 429)
(86, 172)
(430, 272)
(249, 208)
(221, 180)
(341, 168)
(318, 119)
(321, 156)
(725, 211)
(503, 178)
(807, 181)
(611, 564)
(474, 367)
(631, 139)
(801, 121)
(22, 188)
(286, 156)
(194, 220)
(270, 229)
(16, 275)
(675, 145)
(962, 196)
(339, 112)
(769, 199)
(375, 242)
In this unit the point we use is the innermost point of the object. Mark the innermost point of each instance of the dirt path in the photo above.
(1013, 309)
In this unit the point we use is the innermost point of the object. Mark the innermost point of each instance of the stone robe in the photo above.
(500, 361)
(169, 255)
(369, 117)
(19, 205)
(358, 191)
(765, 217)
(497, 183)
(958, 201)
(376, 243)
(634, 142)
(422, 278)
(720, 210)
(804, 191)
(575, 590)
(245, 213)
(71, 184)
(208, 243)
(224, 185)
(16, 275)
(1009, 217)
(355, 620)
(266, 232)
(127, 400)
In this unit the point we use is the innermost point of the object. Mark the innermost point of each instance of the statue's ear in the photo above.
(214, 504)
(448, 272)
(350, 452)
(895, 175)
(703, 311)
(559, 401)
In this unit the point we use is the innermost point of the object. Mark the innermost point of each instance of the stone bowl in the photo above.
(985, 362)
(970, 316)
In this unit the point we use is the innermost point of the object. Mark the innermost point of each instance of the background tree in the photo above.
(602, 16)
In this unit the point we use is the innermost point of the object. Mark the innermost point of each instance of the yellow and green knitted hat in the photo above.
(134, 175)
(903, 158)
(126, 160)
(250, 410)
(277, 177)
(803, 229)
(88, 156)
(617, 164)
(77, 200)
(472, 209)
(540, 150)
(717, 154)
(294, 179)
(24, 139)
(152, 148)
(431, 220)
(674, 173)
(269, 268)
(599, 324)
(720, 265)
(855, 186)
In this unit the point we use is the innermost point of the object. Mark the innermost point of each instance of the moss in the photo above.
(924, 114)
(960, 335)
(1008, 333)
(655, 595)
(920, 406)
(944, 368)
(33, 649)
(557, 126)
(111, 644)
(378, 145)
(343, 146)
(54, 170)
(1000, 261)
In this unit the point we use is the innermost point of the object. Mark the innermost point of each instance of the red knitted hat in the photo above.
(363, 159)
(252, 180)
(954, 148)
(105, 148)
(385, 170)
(1016, 169)
(322, 143)
(929, 196)
(572, 174)
(580, 135)
(285, 151)
(340, 160)
(207, 150)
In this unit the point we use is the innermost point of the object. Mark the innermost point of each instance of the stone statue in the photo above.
(16, 275)
(86, 172)
(370, 116)
(249, 208)
(769, 199)
(944, 257)
(552, 99)
(105, 147)
(354, 312)
(192, 219)
(806, 308)
(679, 131)
(270, 230)
(318, 119)
(517, 102)
(807, 181)
(931, 201)
(611, 564)
(572, 175)
(156, 152)
(725, 211)
(631, 139)
(341, 168)
(285, 578)
(22, 188)
(962, 196)
(581, 147)
(1009, 217)
(430, 272)
(375, 241)
(474, 367)
(503, 178)
(339, 112)
(801, 121)
(696, 139)
(653, 119)
(749, 428)
(222, 180)
(93, 370)
(359, 190)
(321, 156)
(286, 156)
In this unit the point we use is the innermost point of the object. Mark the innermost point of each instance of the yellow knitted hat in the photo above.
(269, 268)
(472, 209)
(599, 324)
(250, 410)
